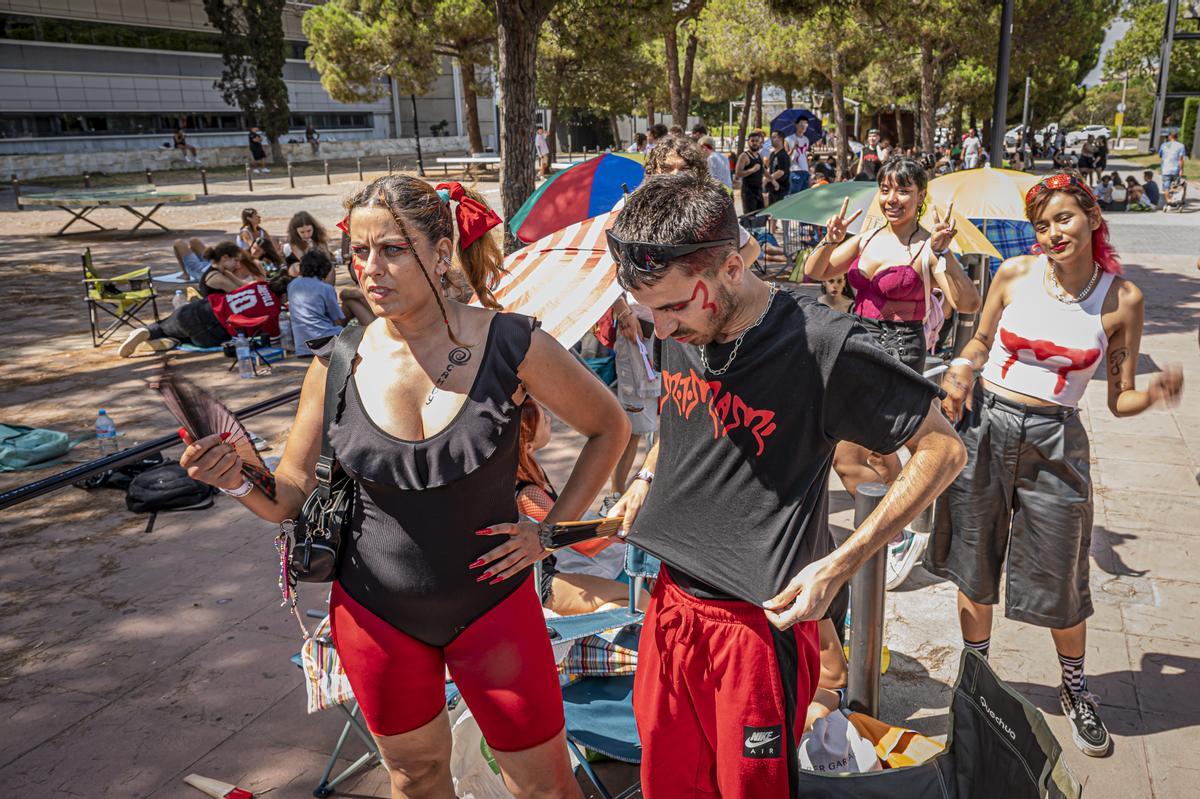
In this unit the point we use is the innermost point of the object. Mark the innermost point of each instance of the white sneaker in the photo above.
(903, 556)
(257, 171)
(132, 341)
(265, 169)
(162, 344)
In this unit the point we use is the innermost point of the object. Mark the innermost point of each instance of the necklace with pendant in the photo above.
(738, 342)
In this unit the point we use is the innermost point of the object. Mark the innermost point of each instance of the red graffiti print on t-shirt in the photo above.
(705, 305)
(1044, 350)
(726, 410)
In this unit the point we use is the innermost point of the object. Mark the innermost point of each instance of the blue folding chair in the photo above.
(599, 710)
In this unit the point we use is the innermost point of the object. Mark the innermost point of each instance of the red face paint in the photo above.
(705, 305)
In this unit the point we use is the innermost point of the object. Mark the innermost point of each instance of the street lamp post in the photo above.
(1000, 100)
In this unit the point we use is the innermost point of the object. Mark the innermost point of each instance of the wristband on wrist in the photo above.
(645, 474)
(960, 361)
(245, 488)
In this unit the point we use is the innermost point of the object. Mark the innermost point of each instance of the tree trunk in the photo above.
(615, 129)
(518, 22)
(674, 89)
(276, 151)
(649, 113)
(745, 118)
(689, 68)
(928, 87)
(899, 130)
(839, 114)
(466, 75)
(787, 96)
(417, 135)
(758, 93)
(552, 129)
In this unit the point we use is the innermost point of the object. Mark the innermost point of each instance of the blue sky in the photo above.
(1111, 37)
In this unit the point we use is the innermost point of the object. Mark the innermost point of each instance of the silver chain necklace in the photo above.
(738, 343)
(1061, 294)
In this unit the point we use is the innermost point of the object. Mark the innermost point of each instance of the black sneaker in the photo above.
(1087, 730)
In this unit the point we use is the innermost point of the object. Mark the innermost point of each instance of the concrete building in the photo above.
(90, 76)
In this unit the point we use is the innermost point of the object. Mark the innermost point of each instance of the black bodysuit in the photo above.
(419, 503)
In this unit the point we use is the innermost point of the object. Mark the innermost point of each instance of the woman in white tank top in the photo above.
(1048, 323)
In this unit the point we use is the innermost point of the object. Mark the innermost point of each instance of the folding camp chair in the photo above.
(599, 710)
(120, 296)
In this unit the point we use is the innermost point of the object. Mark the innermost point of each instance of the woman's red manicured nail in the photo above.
(225, 435)
(497, 580)
(183, 436)
(484, 531)
(483, 577)
(477, 564)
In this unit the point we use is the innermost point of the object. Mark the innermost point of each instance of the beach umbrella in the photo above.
(970, 239)
(994, 199)
(577, 193)
(814, 206)
(566, 280)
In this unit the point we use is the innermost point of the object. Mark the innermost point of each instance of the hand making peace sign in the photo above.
(836, 226)
(943, 229)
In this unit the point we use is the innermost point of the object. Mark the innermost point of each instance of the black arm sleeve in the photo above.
(872, 399)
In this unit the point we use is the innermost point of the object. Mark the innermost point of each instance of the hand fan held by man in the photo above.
(201, 414)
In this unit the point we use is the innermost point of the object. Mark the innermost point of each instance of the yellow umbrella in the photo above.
(983, 193)
(968, 240)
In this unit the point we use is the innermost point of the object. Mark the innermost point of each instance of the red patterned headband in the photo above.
(1060, 180)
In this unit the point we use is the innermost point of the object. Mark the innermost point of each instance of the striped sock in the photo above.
(981, 647)
(1072, 673)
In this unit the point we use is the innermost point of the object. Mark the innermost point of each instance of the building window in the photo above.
(50, 125)
(67, 31)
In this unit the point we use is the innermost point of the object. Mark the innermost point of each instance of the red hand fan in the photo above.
(202, 414)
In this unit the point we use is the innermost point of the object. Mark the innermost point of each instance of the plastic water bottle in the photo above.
(106, 433)
(286, 341)
(245, 357)
(179, 300)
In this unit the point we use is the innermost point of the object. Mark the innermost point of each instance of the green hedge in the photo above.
(1187, 131)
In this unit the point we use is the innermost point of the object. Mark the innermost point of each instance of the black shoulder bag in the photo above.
(309, 545)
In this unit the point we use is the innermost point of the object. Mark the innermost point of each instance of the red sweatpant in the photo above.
(718, 696)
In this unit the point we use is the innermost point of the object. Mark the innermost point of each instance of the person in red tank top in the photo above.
(1024, 500)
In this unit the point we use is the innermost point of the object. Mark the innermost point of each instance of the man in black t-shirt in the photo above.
(759, 384)
(868, 164)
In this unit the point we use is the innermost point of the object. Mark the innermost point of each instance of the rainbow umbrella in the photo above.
(579, 192)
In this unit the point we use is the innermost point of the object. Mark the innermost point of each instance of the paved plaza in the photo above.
(130, 659)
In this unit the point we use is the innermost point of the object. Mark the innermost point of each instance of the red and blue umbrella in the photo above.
(580, 192)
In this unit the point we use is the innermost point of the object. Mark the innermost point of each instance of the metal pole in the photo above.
(866, 613)
(249, 179)
(327, 181)
(117, 459)
(16, 184)
(417, 133)
(1025, 111)
(1164, 71)
(204, 180)
(358, 163)
(87, 180)
(291, 175)
(149, 176)
(389, 164)
(1124, 91)
(1000, 100)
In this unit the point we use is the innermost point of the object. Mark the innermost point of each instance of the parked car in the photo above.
(1010, 138)
(1077, 137)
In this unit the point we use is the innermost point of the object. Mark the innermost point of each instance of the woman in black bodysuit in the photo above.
(436, 574)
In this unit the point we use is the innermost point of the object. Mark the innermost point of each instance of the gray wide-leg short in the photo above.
(1025, 497)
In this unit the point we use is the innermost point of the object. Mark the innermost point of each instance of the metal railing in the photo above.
(54, 482)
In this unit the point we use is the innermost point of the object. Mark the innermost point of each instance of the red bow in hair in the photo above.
(474, 218)
(344, 225)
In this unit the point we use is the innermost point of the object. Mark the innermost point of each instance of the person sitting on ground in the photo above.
(252, 229)
(313, 303)
(197, 260)
(826, 167)
(222, 281)
(1104, 193)
(563, 589)
(837, 294)
(1135, 196)
(264, 251)
(199, 322)
(304, 232)
(639, 143)
(1152, 193)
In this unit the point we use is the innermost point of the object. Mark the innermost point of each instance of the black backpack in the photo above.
(166, 488)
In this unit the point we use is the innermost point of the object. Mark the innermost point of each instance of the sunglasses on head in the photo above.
(646, 257)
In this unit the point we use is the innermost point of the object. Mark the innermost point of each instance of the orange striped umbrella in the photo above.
(567, 280)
